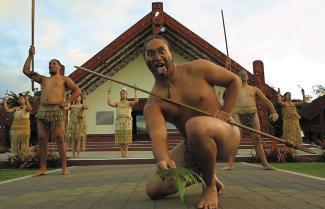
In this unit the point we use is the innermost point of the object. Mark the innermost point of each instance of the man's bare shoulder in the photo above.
(66, 77)
(194, 66)
(195, 63)
(151, 104)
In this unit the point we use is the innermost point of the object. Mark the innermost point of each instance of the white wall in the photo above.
(135, 73)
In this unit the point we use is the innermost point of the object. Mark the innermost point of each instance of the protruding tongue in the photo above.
(162, 70)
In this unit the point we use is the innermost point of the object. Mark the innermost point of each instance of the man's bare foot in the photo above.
(209, 198)
(268, 167)
(66, 172)
(41, 172)
(219, 185)
(227, 168)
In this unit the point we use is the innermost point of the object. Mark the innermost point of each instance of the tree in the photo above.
(319, 90)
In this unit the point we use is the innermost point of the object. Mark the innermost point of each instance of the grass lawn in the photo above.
(311, 168)
(6, 174)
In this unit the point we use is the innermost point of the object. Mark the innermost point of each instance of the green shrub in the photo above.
(30, 159)
(278, 154)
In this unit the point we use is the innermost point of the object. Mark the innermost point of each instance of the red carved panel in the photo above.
(259, 82)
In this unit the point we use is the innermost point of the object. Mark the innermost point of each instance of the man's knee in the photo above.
(152, 192)
(152, 188)
(195, 128)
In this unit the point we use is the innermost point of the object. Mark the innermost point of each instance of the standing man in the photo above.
(51, 114)
(246, 114)
(206, 138)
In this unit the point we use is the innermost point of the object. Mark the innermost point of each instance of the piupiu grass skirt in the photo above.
(52, 116)
(123, 130)
(19, 135)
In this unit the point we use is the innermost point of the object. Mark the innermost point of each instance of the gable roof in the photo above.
(128, 46)
(313, 109)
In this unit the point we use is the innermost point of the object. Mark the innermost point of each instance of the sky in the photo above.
(287, 35)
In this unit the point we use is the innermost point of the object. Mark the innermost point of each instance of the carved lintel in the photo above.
(157, 17)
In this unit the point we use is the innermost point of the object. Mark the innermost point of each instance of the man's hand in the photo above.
(166, 164)
(65, 103)
(223, 115)
(274, 116)
(31, 51)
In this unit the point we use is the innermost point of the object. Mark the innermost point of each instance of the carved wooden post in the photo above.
(259, 82)
(157, 17)
(322, 124)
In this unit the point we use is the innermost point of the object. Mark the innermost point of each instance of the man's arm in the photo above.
(274, 115)
(219, 76)
(26, 69)
(75, 91)
(156, 126)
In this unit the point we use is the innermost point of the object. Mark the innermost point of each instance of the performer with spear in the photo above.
(51, 114)
(202, 121)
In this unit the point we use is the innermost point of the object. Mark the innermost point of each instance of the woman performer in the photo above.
(123, 121)
(290, 117)
(20, 128)
(76, 136)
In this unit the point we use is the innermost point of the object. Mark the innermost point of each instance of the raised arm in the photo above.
(110, 102)
(28, 107)
(280, 98)
(156, 126)
(303, 98)
(26, 69)
(85, 103)
(136, 100)
(274, 115)
(5, 106)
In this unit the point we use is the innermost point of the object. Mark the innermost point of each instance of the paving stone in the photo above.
(123, 187)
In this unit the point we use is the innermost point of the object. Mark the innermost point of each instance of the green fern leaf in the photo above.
(180, 177)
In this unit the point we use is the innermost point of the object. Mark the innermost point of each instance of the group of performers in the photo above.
(75, 132)
(206, 138)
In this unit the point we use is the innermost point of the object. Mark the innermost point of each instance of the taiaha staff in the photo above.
(224, 31)
(33, 21)
(5, 95)
(228, 62)
(299, 86)
(200, 111)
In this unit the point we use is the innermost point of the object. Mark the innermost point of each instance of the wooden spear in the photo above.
(290, 144)
(33, 21)
(228, 61)
(224, 31)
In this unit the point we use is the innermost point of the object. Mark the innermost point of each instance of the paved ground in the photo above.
(123, 187)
